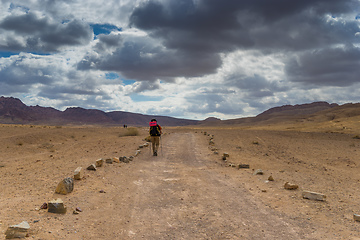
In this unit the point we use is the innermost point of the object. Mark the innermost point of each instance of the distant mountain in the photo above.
(302, 109)
(12, 110)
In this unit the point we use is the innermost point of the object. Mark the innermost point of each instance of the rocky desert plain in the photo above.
(188, 191)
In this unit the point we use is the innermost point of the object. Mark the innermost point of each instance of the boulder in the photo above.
(313, 196)
(65, 186)
(290, 186)
(99, 162)
(17, 231)
(79, 173)
(91, 167)
(56, 206)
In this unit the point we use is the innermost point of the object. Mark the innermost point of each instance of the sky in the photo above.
(188, 59)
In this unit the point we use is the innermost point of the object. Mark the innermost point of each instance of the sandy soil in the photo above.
(188, 191)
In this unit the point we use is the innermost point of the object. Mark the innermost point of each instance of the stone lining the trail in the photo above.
(65, 186)
(313, 196)
(290, 186)
(357, 217)
(56, 206)
(92, 167)
(99, 162)
(17, 231)
(78, 173)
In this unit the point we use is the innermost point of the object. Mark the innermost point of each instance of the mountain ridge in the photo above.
(14, 111)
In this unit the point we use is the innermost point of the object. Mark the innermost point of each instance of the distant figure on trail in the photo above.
(155, 133)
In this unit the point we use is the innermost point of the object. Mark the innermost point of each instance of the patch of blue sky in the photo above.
(104, 28)
(128, 82)
(111, 75)
(142, 98)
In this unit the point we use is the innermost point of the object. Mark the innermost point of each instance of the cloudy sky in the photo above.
(182, 58)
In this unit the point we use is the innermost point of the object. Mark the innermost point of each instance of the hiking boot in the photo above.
(155, 153)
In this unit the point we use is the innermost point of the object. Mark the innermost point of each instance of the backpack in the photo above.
(154, 130)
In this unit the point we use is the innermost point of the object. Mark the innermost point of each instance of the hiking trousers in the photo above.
(155, 142)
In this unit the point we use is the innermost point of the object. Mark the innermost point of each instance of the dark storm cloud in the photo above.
(328, 67)
(40, 34)
(218, 26)
(194, 34)
(145, 62)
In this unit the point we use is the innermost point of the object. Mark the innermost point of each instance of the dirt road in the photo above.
(182, 194)
(187, 192)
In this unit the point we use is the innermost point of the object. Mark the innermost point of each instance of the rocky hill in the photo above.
(13, 111)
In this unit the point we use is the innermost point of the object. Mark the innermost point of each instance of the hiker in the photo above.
(155, 133)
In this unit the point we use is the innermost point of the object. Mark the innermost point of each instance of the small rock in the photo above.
(244, 166)
(290, 186)
(357, 217)
(124, 159)
(313, 196)
(224, 158)
(211, 142)
(78, 209)
(115, 159)
(102, 191)
(141, 146)
(99, 162)
(65, 186)
(56, 206)
(146, 144)
(75, 212)
(258, 172)
(226, 155)
(17, 231)
(78, 174)
(44, 206)
(271, 178)
(137, 152)
(109, 160)
(91, 167)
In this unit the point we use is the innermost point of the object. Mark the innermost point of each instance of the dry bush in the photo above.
(130, 132)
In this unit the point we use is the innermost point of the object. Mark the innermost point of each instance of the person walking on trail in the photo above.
(155, 133)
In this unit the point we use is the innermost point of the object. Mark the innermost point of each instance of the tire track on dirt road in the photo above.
(181, 194)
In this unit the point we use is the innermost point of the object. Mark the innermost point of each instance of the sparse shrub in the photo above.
(255, 142)
(130, 132)
(19, 143)
(356, 137)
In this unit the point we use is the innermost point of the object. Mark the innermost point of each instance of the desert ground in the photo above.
(188, 191)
